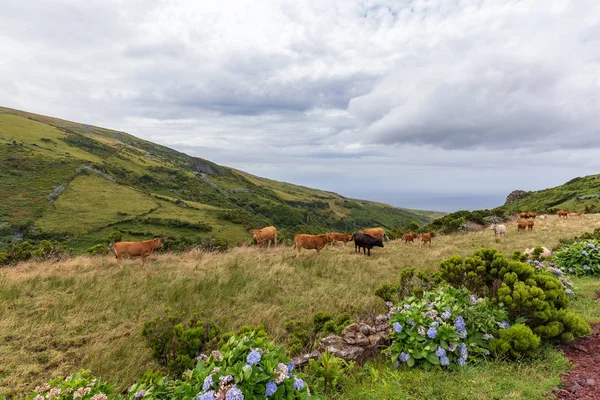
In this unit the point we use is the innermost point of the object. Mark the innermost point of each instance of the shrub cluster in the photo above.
(303, 335)
(45, 250)
(247, 367)
(444, 328)
(77, 386)
(536, 298)
(410, 283)
(580, 258)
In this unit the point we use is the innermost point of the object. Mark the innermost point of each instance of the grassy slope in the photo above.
(563, 197)
(88, 311)
(37, 153)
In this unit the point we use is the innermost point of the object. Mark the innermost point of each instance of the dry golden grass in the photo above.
(87, 312)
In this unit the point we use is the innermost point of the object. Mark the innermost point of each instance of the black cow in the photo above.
(367, 242)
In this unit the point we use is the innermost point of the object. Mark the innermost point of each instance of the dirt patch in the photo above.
(597, 295)
(582, 382)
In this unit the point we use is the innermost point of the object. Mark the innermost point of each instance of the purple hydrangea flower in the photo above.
(505, 325)
(253, 358)
(432, 332)
(140, 394)
(446, 314)
(208, 383)
(444, 360)
(571, 270)
(290, 366)
(246, 367)
(585, 253)
(440, 352)
(271, 389)
(404, 357)
(298, 384)
(207, 396)
(411, 322)
(224, 380)
(586, 267)
(570, 292)
(473, 300)
(397, 327)
(407, 307)
(463, 350)
(462, 361)
(234, 394)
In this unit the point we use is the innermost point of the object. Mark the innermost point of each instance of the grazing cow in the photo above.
(132, 249)
(499, 229)
(340, 237)
(530, 225)
(366, 242)
(378, 233)
(524, 215)
(267, 234)
(532, 215)
(521, 225)
(409, 237)
(316, 242)
(426, 237)
(562, 213)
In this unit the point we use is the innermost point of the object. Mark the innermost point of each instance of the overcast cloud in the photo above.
(427, 104)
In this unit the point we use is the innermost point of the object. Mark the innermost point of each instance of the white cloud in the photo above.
(385, 96)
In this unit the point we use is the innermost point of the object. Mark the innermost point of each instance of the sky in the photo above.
(443, 105)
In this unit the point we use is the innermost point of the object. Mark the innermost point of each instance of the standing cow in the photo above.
(378, 233)
(426, 237)
(132, 249)
(366, 242)
(499, 229)
(267, 234)
(312, 242)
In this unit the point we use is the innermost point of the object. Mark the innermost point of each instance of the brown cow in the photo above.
(562, 213)
(426, 237)
(316, 242)
(265, 235)
(530, 225)
(378, 233)
(522, 225)
(532, 215)
(132, 249)
(524, 215)
(340, 237)
(409, 237)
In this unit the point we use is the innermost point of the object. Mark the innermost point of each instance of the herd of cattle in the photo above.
(364, 239)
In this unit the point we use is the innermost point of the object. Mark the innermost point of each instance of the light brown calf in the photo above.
(340, 237)
(267, 234)
(522, 225)
(426, 237)
(377, 233)
(133, 249)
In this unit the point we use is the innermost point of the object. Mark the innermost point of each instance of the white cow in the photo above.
(499, 229)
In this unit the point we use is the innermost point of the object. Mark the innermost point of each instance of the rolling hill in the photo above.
(77, 183)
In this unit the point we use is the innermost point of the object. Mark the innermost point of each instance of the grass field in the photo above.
(87, 312)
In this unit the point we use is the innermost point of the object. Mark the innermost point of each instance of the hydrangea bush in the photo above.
(246, 367)
(81, 386)
(581, 258)
(445, 327)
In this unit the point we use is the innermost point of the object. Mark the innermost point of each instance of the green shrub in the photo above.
(303, 335)
(176, 342)
(115, 236)
(100, 248)
(51, 249)
(20, 251)
(77, 386)
(329, 374)
(533, 297)
(410, 283)
(515, 342)
(580, 258)
(248, 366)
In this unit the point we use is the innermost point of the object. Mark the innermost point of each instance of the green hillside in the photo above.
(76, 182)
(579, 194)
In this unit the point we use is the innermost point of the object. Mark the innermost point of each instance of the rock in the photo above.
(574, 388)
(580, 348)
(381, 320)
(336, 345)
(304, 359)
(515, 195)
(378, 339)
(590, 382)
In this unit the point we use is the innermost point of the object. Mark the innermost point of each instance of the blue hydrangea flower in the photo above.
(411, 322)
(298, 384)
(397, 327)
(140, 394)
(571, 270)
(404, 357)
(462, 361)
(253, 358)
(224, 380)
(570, 292)
(473, 300)
(591, 245)
(271, 389)
(444, 360)
(585, 253)
(505, 325)
(246, 367)
(290, 366)
(586, 267)
(446, 314)
(234, 394)
(440, 352)
(459, 323)
(407, 307)
(207, 396)
(208, 383)
(463, 350)
(432, 332)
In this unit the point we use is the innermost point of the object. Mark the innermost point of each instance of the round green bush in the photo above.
(516, 342)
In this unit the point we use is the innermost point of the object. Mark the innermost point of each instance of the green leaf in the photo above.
(432, 358)
(411, 362)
